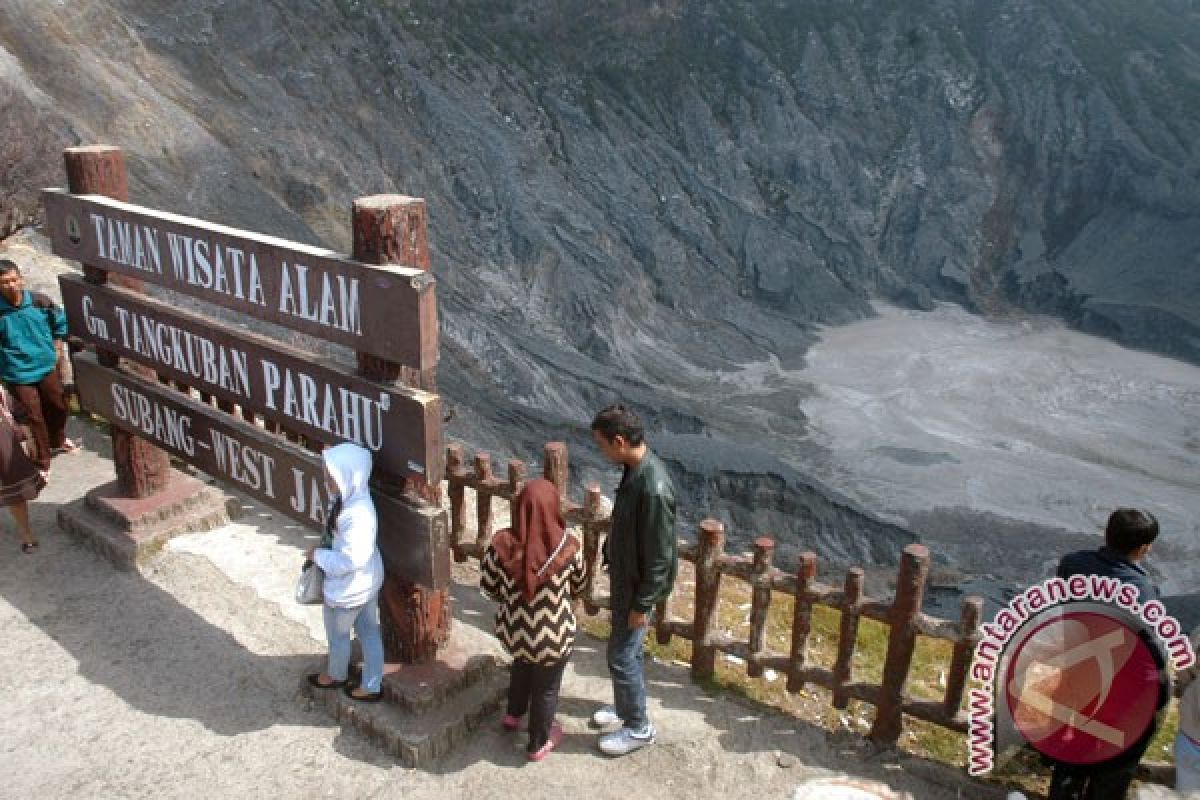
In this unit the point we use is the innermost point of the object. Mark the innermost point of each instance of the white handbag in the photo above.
(310, 589)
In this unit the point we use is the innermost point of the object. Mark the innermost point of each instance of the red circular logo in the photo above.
(1082, 687)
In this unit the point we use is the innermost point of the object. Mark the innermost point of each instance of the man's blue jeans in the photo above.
(625, 649)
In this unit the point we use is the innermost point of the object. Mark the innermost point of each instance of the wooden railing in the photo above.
(903, 616)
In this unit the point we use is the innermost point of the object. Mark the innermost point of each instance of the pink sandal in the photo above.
(66, 448)
(556, 737)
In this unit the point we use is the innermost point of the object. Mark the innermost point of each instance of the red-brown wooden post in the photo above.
(662, 620)
(100, 169)
(592, 503)
(760, 604)
(843, 667)
(456, 475)
(554, 469)
(910, 590)
(517, 472)
(806, 573)
(964, 649)
(711, 543)
(483, 501)
(142, 468)
(516, 478)
(391, 229)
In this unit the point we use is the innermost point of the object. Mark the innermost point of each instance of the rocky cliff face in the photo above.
(661, 201)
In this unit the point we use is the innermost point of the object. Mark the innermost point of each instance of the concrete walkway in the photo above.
(182, 681)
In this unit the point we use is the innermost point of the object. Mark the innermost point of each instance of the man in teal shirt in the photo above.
(33, 329)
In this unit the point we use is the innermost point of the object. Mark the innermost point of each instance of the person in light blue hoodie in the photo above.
(353, 574)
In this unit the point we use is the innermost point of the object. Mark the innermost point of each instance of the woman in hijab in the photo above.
(353, 574)
(532, 569)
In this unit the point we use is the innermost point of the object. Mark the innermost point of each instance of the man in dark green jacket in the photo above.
(33, 330)
(642, 560)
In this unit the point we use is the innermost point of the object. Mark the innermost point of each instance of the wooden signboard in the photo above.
(280, 475)
(386, 311)
(323, 401)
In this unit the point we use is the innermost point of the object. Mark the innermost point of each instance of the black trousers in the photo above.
(534, 688)
(1108, 780)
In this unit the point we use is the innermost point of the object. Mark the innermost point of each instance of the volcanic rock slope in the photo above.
(662, 201)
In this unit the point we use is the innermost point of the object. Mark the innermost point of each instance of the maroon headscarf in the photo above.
(537, 545)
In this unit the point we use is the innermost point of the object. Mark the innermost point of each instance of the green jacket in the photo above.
(641, 547)
(27, 335)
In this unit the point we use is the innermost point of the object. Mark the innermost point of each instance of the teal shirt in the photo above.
(27, 334)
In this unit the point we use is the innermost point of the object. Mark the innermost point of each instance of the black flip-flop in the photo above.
(28, 547)
(314, 680)
(374, 697)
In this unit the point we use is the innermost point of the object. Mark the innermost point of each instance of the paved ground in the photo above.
(182, 681)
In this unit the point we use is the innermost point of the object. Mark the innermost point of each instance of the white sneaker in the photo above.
(605, 716)
(626, 740)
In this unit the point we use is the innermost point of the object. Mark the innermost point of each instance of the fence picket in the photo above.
(764, 551)
(843, 667)
(708, 587)
(806, 574)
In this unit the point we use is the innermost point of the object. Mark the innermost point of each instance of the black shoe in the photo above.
(314, 680)
(374, 697)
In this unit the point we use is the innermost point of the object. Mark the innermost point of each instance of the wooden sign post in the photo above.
(152, 356)
(391, 229)
(142, 469)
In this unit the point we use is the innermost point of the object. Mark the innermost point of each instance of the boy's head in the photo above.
(11, 282)
(618, 432)
(1131, 532)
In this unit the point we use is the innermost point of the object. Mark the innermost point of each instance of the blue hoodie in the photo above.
(1107, 561)
(353, 567)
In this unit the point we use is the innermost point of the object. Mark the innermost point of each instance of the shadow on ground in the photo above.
(124, 633)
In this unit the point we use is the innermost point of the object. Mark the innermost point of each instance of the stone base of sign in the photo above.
(129, 531)
(428, 709)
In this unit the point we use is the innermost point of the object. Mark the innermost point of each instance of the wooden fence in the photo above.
(903, 615)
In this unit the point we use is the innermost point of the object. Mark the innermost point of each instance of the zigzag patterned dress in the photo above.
(540, 632)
